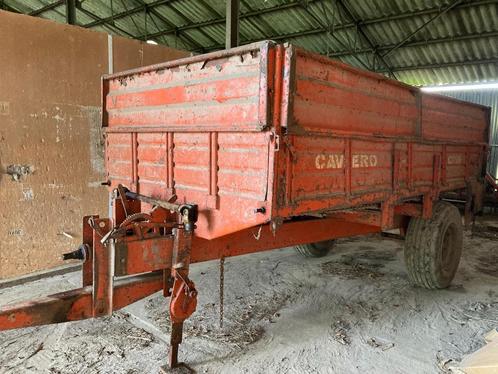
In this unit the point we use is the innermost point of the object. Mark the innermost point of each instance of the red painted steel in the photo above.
(76, 304)
(263, 238)
(79, 303)
(143, 255)
(103, 272)
(87, 274)
(266, 132)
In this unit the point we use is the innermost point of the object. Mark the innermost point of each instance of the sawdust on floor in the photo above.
(350, 312)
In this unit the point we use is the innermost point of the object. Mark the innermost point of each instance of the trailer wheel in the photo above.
(318, 249)
(433, 247)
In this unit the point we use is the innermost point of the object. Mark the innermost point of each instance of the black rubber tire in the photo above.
(318, 249)
(433, 247)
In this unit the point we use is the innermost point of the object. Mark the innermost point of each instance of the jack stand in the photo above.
(176, 339)
(183, 300)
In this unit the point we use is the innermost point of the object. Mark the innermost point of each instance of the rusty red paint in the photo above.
(67, 306)
(183, 299)
(143, 255)
(351, 137)
(87, 276)
(263, 238)
(76, 304)
(129, 290)
(102, 269)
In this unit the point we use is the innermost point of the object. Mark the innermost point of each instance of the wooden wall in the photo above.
(51, 146)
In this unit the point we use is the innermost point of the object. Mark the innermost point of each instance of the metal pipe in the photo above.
(442, 65)
(71, 12)
(362, 33)
(409, 36)
(319, 30)
(46, 8)
(152, 201)
(232, 24)
(415, 43)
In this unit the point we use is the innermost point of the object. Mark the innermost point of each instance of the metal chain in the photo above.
(222, 283)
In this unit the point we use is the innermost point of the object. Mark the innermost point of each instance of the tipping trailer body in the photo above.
(264, 132)
(260, 147)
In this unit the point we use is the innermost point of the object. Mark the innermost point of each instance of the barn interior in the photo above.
(353, 310)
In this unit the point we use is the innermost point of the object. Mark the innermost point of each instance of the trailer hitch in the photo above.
(124, 260)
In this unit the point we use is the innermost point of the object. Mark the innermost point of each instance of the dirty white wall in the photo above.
(50, 139)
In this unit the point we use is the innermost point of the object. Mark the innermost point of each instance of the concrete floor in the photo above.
(350, 312)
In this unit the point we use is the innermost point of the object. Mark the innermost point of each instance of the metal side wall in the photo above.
(488, 97)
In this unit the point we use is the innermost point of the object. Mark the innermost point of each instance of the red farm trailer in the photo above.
(260, 147)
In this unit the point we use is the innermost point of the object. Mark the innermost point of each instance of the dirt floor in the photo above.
(350, 312)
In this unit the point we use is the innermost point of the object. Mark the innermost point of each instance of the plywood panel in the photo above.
(50, 120)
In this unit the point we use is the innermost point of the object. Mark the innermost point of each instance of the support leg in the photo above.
(183, 300)
(176, 339)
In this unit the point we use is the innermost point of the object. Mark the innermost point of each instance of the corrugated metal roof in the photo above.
(453, 41)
